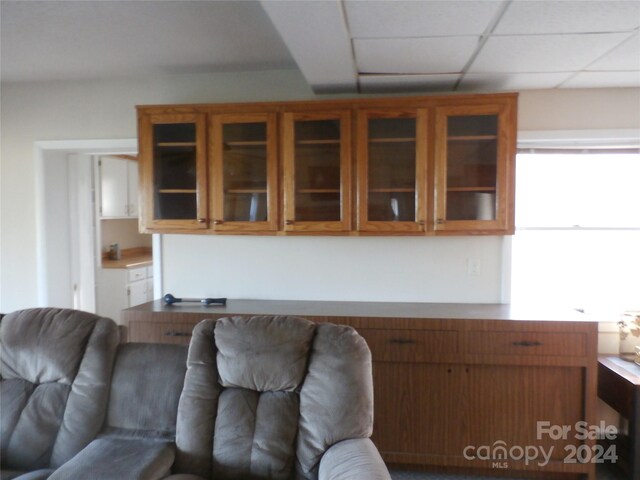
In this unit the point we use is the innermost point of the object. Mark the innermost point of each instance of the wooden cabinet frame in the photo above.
(506, 148)
(148, 222)
(431, 112)
(362, 157)
(216, 173)
(290, 223)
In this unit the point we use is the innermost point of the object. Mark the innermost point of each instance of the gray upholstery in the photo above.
(137, 441)
(56, 368)
(266, 397)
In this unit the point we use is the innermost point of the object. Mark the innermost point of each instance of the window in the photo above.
(577, 241)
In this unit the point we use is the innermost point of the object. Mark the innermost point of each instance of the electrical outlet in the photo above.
(473, 267)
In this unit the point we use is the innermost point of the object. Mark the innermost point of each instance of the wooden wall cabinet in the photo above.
(387, 166)
(392, 162)
(474, 186)
(448, 376)
(243, 173)
(316, 151)
(173, 171)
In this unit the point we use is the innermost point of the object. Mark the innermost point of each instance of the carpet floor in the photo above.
(605, 472)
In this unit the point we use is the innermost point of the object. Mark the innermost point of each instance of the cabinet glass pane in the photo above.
(244, 167)
(472, 167)
(392, 169)
(174, 171)
(317, 170)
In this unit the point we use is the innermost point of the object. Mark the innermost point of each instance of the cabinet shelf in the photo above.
(177, 190)
(471, 189)
(471, 138)
(176, 144)
(335, 142)
(246, 143)
(246, 190)
(392, 190)
(318, 190)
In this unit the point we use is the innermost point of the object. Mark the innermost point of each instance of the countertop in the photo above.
(130, 258)
(371, 309)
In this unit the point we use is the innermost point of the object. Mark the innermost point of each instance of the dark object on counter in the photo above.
(170, 300)
(114, 252)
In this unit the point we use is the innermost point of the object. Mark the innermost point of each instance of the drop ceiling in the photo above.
(339, 45)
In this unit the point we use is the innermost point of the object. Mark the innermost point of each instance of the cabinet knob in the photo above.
(288, 222)
(421, 222)
(440, 221)
(202, 220)
(217, 222)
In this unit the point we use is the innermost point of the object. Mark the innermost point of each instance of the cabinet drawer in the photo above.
(135, 274)
(152, 332)
(409, 345)
(528, 343)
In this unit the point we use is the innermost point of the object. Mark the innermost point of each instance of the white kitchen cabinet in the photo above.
(120, 288)
(118, 188)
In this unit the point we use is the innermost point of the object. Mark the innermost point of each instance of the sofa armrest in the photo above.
(353, 459)
(117, 458)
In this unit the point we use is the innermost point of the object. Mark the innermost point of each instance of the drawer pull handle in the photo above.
(527, 343)
(402, 341)
(173, 333)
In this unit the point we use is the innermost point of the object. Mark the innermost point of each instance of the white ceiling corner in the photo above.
(317, 37)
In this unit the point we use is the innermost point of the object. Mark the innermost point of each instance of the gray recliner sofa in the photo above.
(56, 369)
(263, 397)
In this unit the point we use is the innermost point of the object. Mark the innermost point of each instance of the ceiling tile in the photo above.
(626, 56)
(511, 81)
(543, 53)
(376, 19)
(566, 16)
(406, 83)
(603, 80)
(414, 55)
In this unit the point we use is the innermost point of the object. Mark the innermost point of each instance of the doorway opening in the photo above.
(66, 218)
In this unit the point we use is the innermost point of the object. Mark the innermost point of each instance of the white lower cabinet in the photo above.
(120, 288)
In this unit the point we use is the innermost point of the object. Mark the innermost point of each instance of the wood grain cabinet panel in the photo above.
(528, 343)
(418, 410)
(410, 345)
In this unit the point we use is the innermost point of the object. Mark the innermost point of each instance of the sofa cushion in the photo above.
(145, 390)
(263, 353)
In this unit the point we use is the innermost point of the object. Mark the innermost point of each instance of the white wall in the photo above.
(407, 269)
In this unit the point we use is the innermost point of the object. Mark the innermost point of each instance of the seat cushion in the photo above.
(118, 459)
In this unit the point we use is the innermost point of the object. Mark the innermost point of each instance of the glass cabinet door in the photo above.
(173, 164)
(316, 171)
(243, 174)
(392, 152)
(472, 168)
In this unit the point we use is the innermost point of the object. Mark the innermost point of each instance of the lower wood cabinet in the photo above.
(468, 387)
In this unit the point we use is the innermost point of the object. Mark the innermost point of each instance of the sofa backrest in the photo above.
(145, 390)
(266, 396)
(56, 367)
